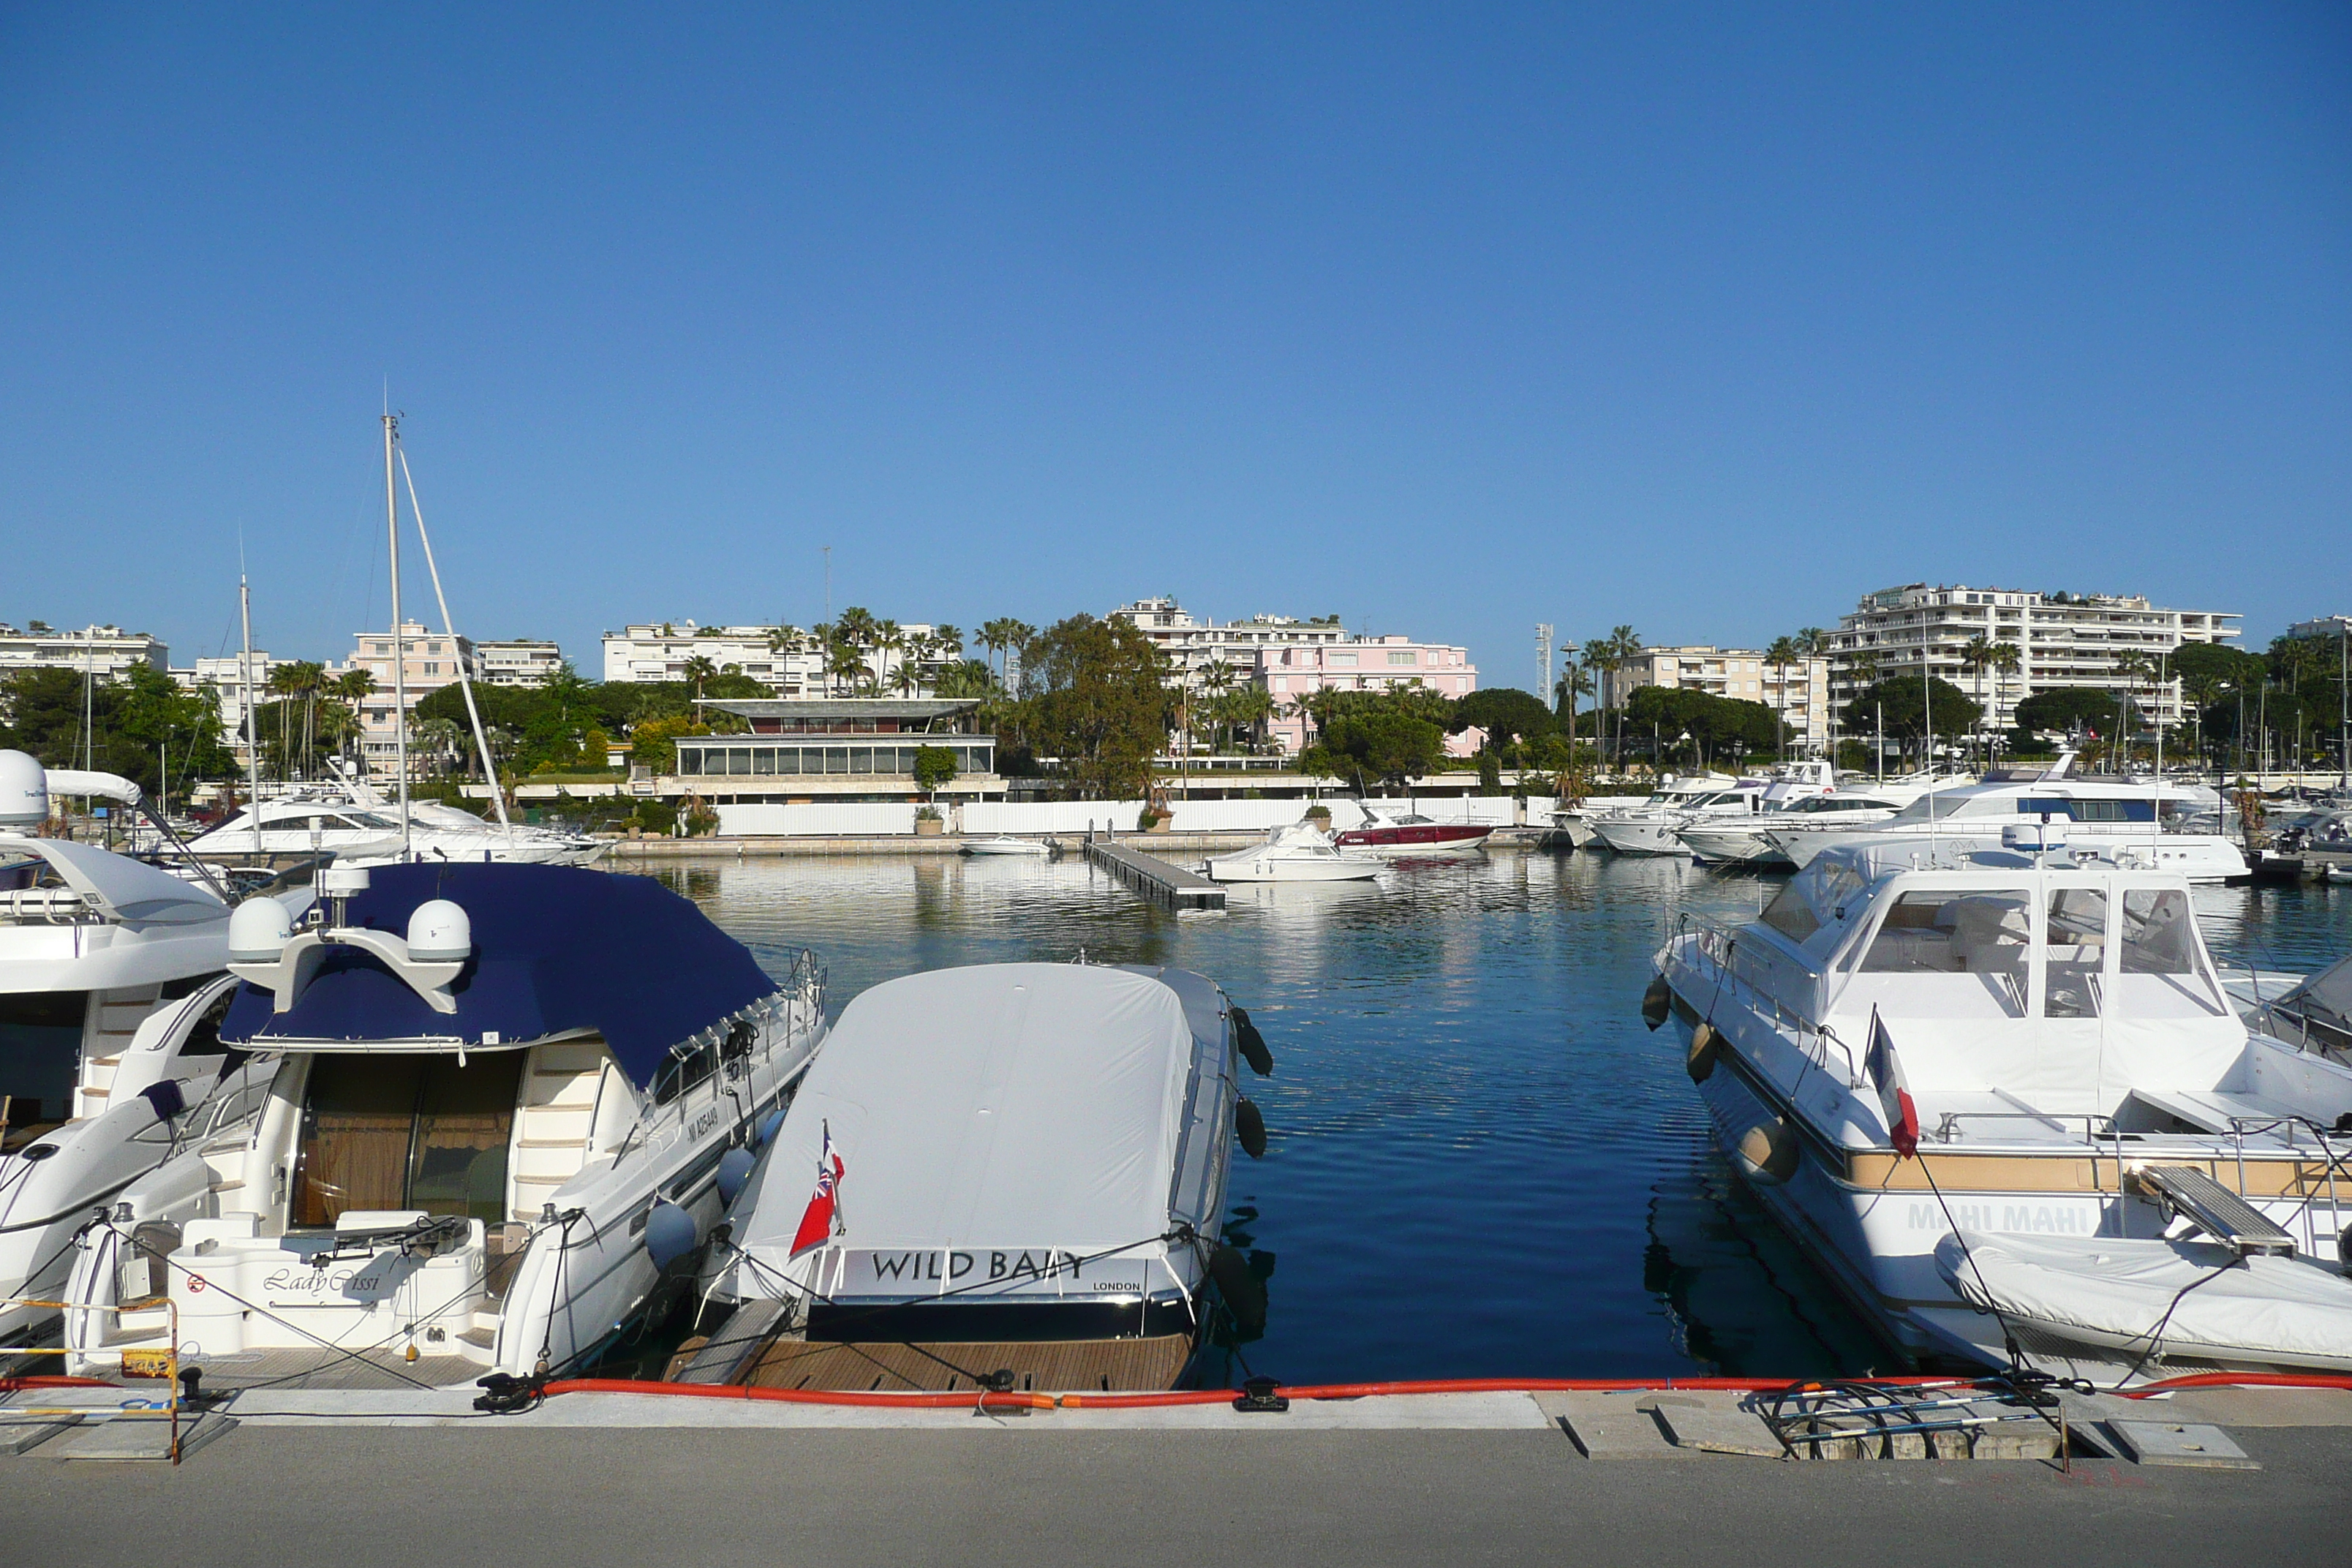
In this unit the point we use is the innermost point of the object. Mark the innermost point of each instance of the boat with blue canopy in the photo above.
(510, 1102)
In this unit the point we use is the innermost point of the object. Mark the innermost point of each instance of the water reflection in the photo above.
(1479, 1162)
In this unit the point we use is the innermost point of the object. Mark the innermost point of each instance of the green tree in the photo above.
(935, 767)
(1910, 704)
(1366, 745)
(1095, 700)
(1504, 712)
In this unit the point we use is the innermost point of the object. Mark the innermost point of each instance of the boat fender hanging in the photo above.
(1657, 1002)
(2344, 1249)
(1250, 1127)
(1706, 1043)
(165, 1098)
(1252, 1044)
(767, 1128)
(734, 1170)
(669, 1233)
(1243, 1291)
(1769, 1153)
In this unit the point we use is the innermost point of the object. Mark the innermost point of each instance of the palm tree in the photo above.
(439, 738)
(1863, 665)
(2007, 660)
(699, 669)
(1002, 635)
(2133, 667)
(947, 641)
(1780, 653)
(845, 661)
(888, 640)
(1977, 655)
(1600, 663)
(1624, 647)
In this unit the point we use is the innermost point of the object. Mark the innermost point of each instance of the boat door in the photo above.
(2072, 981)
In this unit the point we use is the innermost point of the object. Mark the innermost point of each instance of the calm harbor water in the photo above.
(1479, 1162)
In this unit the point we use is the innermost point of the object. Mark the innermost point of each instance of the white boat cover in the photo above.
(2112, 1292)
(998, 1126)
(125, 889)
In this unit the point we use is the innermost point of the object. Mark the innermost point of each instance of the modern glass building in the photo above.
(804, 741)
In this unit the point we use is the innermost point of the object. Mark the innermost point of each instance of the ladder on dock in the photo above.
(1153, 878)
(2215, 1209)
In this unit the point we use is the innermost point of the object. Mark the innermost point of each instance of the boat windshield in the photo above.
(1958, 930)
(1810, 909)
(1945, 804)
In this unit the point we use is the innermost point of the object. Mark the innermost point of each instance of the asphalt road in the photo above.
(367, 1495)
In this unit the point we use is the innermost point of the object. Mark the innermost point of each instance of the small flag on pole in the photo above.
(816, 1220)
(1894, 1095)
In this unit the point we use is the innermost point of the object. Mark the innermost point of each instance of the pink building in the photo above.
(1363, 664)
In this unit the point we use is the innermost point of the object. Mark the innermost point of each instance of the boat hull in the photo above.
(1732, 846)
(1443, 842)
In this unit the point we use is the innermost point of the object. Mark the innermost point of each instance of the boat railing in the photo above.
(52, 906)
(1763, 975)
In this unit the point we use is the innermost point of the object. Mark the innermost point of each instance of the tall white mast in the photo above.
(399, 642)
(252, 735)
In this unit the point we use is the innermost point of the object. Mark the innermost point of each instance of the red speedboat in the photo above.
(1413, 837)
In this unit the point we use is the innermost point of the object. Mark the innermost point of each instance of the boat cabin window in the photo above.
(679, 1072)
(405, 1133)
(1938, 807)
(2075, 951)
(2067, 810)
(2162, 977)
(1956, 931)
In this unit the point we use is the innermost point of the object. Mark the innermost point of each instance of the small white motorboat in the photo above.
(1015, 1166)
(1005, 844)
(2144, 1300)
(1296, 853)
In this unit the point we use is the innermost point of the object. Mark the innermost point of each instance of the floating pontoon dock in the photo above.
(1155, 879)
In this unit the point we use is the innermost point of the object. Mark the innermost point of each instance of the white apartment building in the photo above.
(2062, 639)
(516, 661)
(2328, 626)
(432, 662)
(1290, 658)
(658, 651)
(1799, 692)
(226, 677)
(103, 651)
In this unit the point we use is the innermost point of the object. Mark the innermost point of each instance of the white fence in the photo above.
(990, 816)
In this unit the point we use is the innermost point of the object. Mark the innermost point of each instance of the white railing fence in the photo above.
(990, 816)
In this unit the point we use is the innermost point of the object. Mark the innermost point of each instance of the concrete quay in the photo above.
(630, 849)
(1435, 1478)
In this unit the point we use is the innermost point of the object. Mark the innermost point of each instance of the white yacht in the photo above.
(1297, 852)
(1583, 822)
(508, 1104)
(2100, 815)
(1657, 829)
(1026, 1157)
(358, 827)
(112, 983)
(1747, 840)
(2027, 1049)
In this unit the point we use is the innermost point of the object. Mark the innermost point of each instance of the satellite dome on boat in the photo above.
(554, 949)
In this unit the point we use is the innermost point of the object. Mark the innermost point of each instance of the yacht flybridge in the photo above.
(507, 1104)
(1014, 1166)
(2010, 1079)
(112, 984)
(1748, 841)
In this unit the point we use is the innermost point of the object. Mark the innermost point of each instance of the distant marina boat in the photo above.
(1658, 828)
(1583, 824)
(1747, 840)
(2102, 816)
(1005, 844)
(1013, 1172)
(1296, 853)
(356, 824)
(2027, 1051)
(1411, 837)
(506, 1105)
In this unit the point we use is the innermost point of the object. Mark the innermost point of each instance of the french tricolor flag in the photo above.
(1893, 1094)
(816, 1220)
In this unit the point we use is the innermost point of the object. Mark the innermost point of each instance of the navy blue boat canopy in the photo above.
(556, 948)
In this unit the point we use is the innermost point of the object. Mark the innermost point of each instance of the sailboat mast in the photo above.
(399, 642)
(252, 736)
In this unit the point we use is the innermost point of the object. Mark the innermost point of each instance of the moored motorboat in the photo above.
(1748, 841)
(1409, 836)
(1005, 844)
(2015, 1042)
(1003, 1168)
(507, 1106)
(112, 983)
(1298, 852)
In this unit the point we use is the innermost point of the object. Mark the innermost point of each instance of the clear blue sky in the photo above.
(1447, 318)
